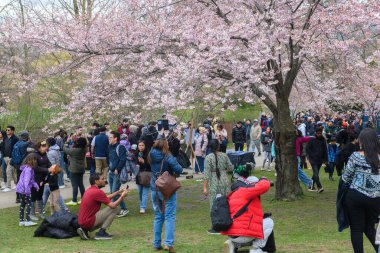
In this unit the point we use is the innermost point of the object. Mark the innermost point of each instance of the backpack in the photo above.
(221, 219)
(124, 178)
(19, 152)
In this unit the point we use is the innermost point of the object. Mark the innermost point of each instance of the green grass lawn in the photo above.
(307, 225)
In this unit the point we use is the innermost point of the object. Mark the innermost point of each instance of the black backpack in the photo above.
(221, 219)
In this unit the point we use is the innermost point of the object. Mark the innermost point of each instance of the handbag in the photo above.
(166, 183)
(144, 177)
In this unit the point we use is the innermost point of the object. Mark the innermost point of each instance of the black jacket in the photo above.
(7, 147)
(341, 208)
(42, 169)
(150, 137)
(343, 155)
(144, 166)
(316, 150)
(53, 182)
(267, 145)
(174, 146)
(60, 225)
(238, 135)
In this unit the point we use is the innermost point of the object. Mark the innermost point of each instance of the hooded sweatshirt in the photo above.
(26, 182)
(54, 154)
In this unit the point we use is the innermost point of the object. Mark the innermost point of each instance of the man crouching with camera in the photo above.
(252, 227)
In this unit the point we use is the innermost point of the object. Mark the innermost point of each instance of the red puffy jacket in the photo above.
(250, 223)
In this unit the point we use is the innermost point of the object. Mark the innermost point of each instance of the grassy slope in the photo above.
(307, 225)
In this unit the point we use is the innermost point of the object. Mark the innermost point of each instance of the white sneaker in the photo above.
(13, 187)
(256, 251)
(21, 223)
(67, 180)
(123, 213)
(6, 189)
(142, 210)
(29, 223)
(71, 203)
(228, 247)
(62, 186)
(33, 217)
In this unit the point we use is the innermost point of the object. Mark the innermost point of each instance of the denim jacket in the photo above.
(170, 164)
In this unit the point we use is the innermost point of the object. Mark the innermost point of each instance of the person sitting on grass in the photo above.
(90, 216)
(252, 227)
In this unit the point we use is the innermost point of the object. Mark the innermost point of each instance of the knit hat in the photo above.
(24, 135)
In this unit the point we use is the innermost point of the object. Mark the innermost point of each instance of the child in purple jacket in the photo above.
(24, 187)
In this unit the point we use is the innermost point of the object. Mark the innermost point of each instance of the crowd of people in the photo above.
(144, 152)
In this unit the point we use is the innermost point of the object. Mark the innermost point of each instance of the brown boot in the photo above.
(169, 248)
(157, 249)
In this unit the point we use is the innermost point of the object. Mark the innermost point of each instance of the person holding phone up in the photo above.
(90, 217)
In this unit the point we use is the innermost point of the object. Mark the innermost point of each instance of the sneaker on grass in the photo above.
(71, 203)
(21, 223)
(103, 235)
(83, 234)
(33, 217)
(29, 223)
(213, 232)
(123, 213)
(142, 210)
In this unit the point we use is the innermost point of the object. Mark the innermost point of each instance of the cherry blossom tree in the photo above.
(168, 54)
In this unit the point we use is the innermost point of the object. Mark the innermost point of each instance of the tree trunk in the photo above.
(287, 184)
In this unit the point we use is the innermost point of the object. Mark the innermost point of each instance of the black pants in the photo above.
(77, 182)
(18, 172)
(331, 168)
(37, 195)
(303, 162)
(316, 168)
(363, 214)
(25, 201)
(239, 146)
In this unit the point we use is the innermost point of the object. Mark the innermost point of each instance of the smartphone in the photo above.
(127, 187)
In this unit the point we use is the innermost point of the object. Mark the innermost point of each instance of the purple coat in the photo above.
(26, 182)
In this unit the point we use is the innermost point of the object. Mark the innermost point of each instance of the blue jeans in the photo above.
(92, 166)
(3, 169)
(114, 182)
(64, 165)
(302, 175)
(46, 195)
(144, 196)
(169, 216)
(200, 164)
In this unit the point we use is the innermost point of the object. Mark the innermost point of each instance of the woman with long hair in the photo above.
(40, 172)
(362, 176)
(144, 168)
(161, 160)
(215, 178)
(77, 167)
